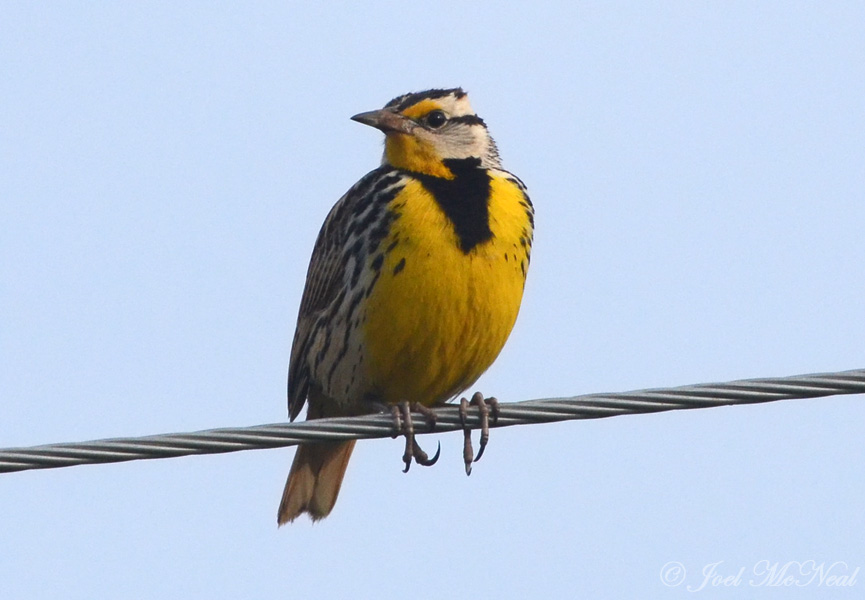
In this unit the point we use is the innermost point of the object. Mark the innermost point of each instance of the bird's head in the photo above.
(425, 129)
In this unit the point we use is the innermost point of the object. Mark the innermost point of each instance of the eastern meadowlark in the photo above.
(414, 285)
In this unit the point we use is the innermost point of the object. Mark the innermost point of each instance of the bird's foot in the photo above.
(403, 425)
(486, 407)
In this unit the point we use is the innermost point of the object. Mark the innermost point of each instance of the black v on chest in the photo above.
(464, 200)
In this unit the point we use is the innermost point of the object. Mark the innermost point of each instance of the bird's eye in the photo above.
(436, 119)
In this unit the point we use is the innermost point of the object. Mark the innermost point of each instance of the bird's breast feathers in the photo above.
(439, 314)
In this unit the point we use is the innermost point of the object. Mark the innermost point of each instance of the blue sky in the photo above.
(698, 173)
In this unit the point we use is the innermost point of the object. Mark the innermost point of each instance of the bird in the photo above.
(414, 285)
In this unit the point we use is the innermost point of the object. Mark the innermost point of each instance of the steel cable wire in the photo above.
(592, 406)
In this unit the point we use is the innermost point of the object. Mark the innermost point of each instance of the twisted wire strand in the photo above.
(592, 406)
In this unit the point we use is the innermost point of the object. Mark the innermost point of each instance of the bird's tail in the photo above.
(314, 480)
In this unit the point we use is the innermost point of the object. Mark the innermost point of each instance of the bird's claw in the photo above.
(403, 426)
(486, 407)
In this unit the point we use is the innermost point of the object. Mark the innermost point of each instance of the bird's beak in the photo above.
(386, 120)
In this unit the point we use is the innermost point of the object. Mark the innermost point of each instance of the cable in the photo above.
(593, 406)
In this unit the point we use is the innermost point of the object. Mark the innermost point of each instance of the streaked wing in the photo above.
(325, 283)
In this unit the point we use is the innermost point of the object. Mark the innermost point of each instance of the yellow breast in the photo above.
(438, 317)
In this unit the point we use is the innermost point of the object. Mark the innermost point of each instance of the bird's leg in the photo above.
(468, 451)
(408, 433)
(403, 424)
(397, 421)
(485, 408)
